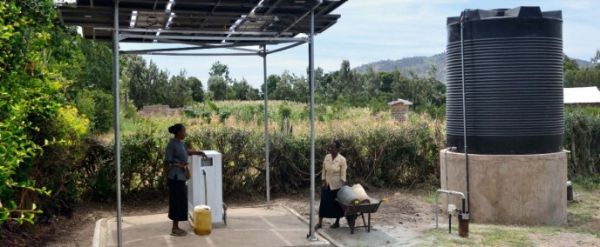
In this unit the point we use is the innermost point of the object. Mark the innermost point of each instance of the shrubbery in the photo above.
(38, 128)
(387, 156)
(380, 156)
(582, 138)
(97, 106)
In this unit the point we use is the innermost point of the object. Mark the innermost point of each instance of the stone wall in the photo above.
(509, 189)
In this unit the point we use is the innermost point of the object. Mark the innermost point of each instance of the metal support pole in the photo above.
(117, 129)
(311, 71)
(464, 108)
(266, 96)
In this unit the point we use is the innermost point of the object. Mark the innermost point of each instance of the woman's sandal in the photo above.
(318, 226)
(178, 232)
(335, 225)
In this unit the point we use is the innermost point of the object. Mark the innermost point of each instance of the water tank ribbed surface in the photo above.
(513, 66)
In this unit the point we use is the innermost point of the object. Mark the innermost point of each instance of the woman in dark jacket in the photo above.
(176, 160)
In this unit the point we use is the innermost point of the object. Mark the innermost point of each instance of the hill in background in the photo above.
(422, 65)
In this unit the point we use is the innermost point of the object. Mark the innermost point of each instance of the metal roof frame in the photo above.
(200, 25)
(235, 21)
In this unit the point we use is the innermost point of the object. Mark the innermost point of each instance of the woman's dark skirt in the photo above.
(329, 207)
(178, 205)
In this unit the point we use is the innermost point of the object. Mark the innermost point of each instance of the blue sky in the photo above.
(372, 30)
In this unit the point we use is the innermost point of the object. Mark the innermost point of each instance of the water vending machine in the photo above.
(205, 186)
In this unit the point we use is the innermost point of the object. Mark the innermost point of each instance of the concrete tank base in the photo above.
(509, 189)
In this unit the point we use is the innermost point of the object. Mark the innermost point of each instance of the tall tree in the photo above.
(139, 81)
(96, 68)
(272, 81)
(217, 86)
(197, 89)
(241, 90)
(596, 60)
(570, 64)
(179, 92)
(283, 90)
(220, 70)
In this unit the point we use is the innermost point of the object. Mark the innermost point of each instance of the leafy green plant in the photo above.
(191, 113)
(285, 115)
(207, 116)
(582, 138)
(98, 107)
(35, 68)
(223, 116)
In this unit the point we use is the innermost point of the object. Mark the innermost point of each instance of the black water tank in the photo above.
(513, 65)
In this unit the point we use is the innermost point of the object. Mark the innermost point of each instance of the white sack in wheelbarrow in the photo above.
(360, 192)
(352, 195)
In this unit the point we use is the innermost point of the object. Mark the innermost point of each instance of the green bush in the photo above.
(36, 121)
(582, 138)
(56, 168)
(142, 160)
(98, 107)
(384, 157)
(97, 171)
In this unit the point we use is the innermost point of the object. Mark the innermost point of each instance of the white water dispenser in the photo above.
(205, 186)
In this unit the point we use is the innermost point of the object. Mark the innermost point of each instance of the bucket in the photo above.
(202, 220)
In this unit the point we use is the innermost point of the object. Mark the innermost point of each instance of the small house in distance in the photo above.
(583, 96)
(159, 110)
(400, 109)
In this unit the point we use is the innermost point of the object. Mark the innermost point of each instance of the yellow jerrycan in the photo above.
(202, 220)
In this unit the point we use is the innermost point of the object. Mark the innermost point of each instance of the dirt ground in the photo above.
(403, 211)
(409, 209)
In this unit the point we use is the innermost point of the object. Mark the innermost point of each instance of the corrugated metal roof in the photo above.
(582, 95)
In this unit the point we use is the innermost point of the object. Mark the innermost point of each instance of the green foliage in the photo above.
(248, 113)
(197, 90)
(36, 121)
(191, 113)
(96, 68)
(147, 85)
(179, 92)
(217, 86)
(285, 114)
(241, 90)
(582, 138)
(582, 124)
(223, 116)
(569, 64)
(582, 78)
(97, 106)
(142, 159)
(96, 171)
(219, 70)
(383, 156)
(56, 168)
(207, 116)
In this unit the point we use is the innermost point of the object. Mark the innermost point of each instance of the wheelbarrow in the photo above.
(355, 209)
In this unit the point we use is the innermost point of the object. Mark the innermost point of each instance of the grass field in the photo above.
(249, 115)
(582, 228)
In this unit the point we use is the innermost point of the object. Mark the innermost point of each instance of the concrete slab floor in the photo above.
(245, 227)
(380, 236)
